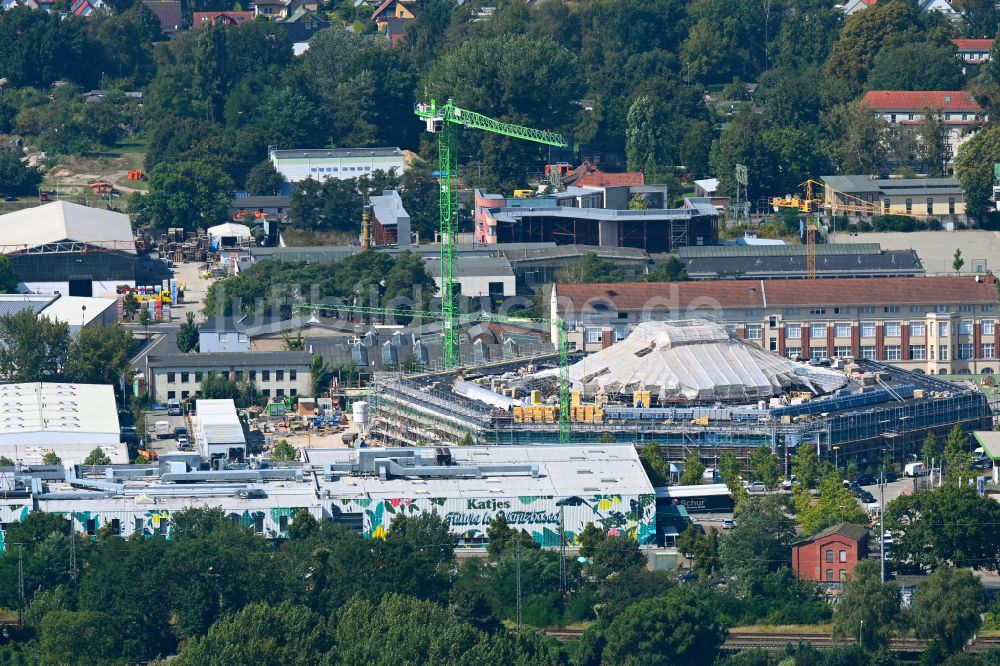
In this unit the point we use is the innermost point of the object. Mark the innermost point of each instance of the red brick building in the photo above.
(830, 555)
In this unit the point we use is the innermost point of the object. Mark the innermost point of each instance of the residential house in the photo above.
(325, 163)
(168, 13)
(44, 5)
(274, 374)
(934, 325)
(944, 6)
(942, 198)
(260, 206)
(830, 555)
(279, 10)
(972, 53)
(957, 109)
(86, 8)
(301, 27)
(392, 17)
(225, 19)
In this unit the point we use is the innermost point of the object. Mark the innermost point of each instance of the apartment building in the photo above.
(275, 374)
(935, 325)
(972, 53)
(957, 109)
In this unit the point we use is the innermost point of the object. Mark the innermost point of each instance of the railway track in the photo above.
(744, 640)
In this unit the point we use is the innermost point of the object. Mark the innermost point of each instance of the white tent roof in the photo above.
(229, 229)
(62, 220)
(695, 360)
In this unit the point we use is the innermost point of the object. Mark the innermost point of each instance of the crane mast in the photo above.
(444, 120)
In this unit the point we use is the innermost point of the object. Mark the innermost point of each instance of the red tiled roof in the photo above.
(704, 295)
(973, 44)
(588, 175)
(381, 8)
(918, 100)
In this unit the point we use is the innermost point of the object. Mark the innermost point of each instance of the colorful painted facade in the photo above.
(539, 516)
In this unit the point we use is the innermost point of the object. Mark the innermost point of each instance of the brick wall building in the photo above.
(830, 555)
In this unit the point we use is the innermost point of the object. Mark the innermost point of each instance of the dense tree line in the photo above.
(277, 287)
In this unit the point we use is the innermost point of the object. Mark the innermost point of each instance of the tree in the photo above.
(766, 466)
(957, 261)
(264, 180)
(614, 554)
(947, 526)
(499, 536)
(671, 270)
(979, 19)
(679, 628)
(16, 176)
(284, 452)
(100, 355)
(188, 194)
(730, 470)
(97, 457)
(655, 465)
(807, 468)
(6, 462)
(939, 69)
(77, 637)
(590, 269)
(32, 348)
(144, 319)
(643, 136)
(947, 607)
(859, 138)
(759, 543)
(933, 150)
(834, 505)
(263, 634)
(866, 599)
(187, 334)
(50, 458)
(8, 278)
(932, 450)
(694, 470)
(956, 457)
(974, 168)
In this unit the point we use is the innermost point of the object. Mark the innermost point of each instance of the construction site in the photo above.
(688, 385)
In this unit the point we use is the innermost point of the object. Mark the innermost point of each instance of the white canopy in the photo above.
(695, 360)
(229, 230)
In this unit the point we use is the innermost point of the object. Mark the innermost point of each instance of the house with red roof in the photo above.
(957, 109)
(226, 19)
(86, 8)
(972, 53)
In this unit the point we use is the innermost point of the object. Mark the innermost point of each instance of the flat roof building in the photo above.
(67, 419)
(840, 260)
(274, 374)
(217, 430)
(538, 489)
(341, 163)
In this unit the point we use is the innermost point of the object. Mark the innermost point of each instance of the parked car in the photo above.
(9, 197)
(180, 431)
(866, 480)
(756, 487)
(728, 523)
(688, 576)
(182, 443)
(865, 496)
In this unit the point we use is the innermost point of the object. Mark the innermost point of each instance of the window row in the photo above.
(172, 395)
(987, 350)
(891, 329)
(265, 375)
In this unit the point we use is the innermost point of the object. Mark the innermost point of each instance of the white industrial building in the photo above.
(538, 489)
(218, 432)
(82, 312)
(343, 163)
(67, 419)
(66, 248)
(478, 276)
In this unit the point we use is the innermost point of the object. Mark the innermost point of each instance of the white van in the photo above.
(914, 469)
(162, 429)
(174, 407)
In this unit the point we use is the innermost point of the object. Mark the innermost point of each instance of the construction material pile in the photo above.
(698, 360)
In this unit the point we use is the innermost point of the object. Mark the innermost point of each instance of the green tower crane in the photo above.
(442, 121)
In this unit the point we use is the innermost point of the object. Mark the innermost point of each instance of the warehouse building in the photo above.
(541, 490)
(538, 489)
(70, 420)
(65, 248)
(773, 262)
(341, 163)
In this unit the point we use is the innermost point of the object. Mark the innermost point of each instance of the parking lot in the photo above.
(166, 444)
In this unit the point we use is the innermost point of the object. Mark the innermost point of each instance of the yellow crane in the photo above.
(820, 196)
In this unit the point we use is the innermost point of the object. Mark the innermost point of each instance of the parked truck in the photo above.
(162, 429)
